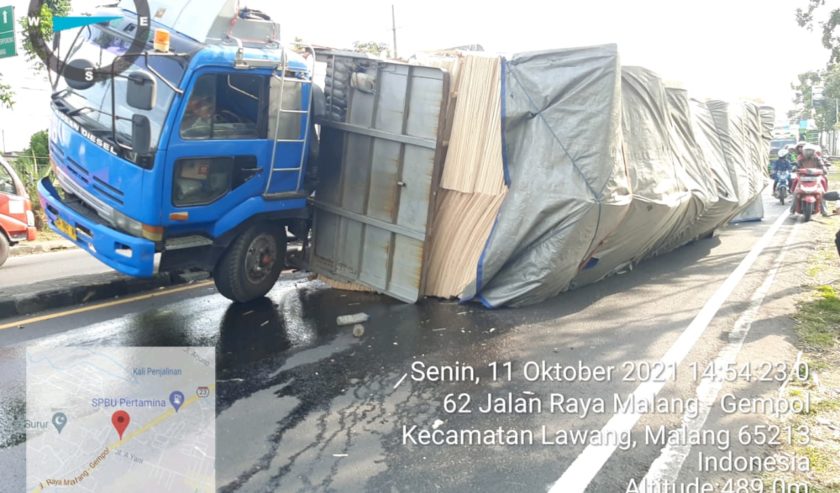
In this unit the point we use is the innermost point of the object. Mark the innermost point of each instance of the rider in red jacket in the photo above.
(810, 158)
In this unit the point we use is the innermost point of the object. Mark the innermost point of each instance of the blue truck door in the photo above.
(289, 126)
(219, 154)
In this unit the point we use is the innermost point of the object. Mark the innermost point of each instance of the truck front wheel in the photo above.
(251, 265)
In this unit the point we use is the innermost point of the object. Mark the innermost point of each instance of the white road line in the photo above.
(401, 380)
(666, 468)
(584, 468)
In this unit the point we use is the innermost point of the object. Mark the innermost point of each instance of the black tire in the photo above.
(4, 249)
(251, 265)
(807, 211)
(782, 195)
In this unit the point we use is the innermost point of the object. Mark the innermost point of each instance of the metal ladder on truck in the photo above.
(304, 87)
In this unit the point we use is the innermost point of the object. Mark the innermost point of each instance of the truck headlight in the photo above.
(130, 226)
(136, 228)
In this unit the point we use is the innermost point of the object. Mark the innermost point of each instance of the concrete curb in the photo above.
(40, 247)
(20, 301)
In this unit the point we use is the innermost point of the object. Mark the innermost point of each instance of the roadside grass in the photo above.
(818, 333)
(818, 320)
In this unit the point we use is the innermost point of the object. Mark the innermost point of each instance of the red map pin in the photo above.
(120, 420)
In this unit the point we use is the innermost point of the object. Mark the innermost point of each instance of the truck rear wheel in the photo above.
(251, 265)
(4, 249)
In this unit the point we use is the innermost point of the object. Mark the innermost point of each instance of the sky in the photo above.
(724, 49)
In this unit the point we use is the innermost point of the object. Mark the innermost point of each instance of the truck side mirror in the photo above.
(142, 91)
(141, 134)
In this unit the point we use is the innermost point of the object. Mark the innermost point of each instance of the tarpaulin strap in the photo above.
(537, 112)
(505, 167)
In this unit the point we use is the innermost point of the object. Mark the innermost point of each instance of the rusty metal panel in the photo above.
(381, 152)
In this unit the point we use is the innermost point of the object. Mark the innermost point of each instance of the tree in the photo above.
(804, 95)
(49, 9)
(298, 44)
(824, 109)
(374, 48)
(32, 166)
(807, 19)
(7, 97)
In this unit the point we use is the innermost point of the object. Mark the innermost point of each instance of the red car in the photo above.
(17, 223)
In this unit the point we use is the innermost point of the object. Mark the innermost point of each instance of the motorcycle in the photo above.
(809, 191)
(781, 188)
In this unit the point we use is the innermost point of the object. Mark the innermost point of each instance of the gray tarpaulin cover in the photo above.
(696, 175)
(607, 166)
(660, 197)
(565, 168)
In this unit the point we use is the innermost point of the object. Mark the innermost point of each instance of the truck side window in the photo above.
(201, 181)
(7, 185)
(227, 107)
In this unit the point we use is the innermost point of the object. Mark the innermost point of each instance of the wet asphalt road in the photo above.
(295, 390)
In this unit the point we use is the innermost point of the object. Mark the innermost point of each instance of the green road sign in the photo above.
(7, 32)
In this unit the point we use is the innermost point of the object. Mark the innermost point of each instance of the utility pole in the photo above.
(394, 27)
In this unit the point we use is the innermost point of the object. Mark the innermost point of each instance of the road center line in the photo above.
(666, 468)
(584, 468)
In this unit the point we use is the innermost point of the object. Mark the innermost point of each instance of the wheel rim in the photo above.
(261, 258)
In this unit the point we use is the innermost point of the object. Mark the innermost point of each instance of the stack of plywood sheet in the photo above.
(472, 186)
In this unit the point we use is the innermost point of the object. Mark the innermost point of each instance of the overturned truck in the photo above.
(510, 180)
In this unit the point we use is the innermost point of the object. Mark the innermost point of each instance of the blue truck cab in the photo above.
(194, 157)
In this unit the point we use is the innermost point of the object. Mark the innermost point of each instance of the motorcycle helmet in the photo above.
(810, 151)
(783, 153)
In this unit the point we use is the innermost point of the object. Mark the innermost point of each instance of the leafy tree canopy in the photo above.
(7, 97)
(824, 110)
(49, 9)
(827, 19)
(372, 47)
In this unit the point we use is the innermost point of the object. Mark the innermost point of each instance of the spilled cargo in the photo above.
(551, 170)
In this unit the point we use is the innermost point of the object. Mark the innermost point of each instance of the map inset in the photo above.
(120, 419)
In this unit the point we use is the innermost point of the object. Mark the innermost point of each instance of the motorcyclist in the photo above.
(781, 165)
(797, 153)
(809, 159)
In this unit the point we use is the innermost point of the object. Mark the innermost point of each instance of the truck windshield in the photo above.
(93, 107)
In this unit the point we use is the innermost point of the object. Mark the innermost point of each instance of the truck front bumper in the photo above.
(26, 233)
(124, 253)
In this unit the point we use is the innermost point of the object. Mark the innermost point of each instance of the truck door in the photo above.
(381, 150)
(220, 154)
